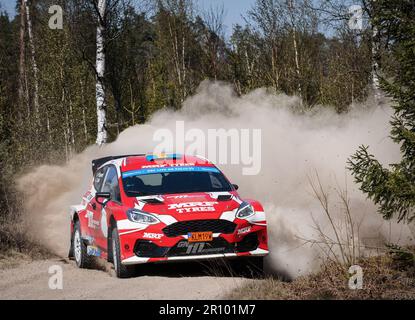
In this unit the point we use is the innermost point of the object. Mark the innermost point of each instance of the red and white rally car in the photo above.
(148, 208)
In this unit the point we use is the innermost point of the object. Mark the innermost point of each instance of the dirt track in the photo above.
(166, 281)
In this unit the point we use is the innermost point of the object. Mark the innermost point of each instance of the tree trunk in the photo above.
(34, 64)
(375, 64)
(291, 9)
(83, 112)
(102, 134)
(22, 78)
(297, 63)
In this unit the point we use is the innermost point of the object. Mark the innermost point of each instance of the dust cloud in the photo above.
(295, 145)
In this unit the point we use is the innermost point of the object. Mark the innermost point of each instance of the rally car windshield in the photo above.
(174, 180)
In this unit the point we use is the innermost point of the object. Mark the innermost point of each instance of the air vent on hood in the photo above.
(152, 201)
(224, 197)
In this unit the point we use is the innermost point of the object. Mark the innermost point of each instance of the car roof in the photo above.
(134, 162)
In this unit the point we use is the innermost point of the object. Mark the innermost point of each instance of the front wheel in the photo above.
(122, 271)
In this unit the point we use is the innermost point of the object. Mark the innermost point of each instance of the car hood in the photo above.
(191, 206)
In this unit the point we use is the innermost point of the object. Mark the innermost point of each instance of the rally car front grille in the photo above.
(184, 227)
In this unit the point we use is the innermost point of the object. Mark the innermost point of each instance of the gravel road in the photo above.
(30, 280)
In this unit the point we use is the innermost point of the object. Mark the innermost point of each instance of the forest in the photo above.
(156, 54)
(79, 73)
(110, 64)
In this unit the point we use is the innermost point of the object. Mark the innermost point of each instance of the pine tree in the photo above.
(393, 189)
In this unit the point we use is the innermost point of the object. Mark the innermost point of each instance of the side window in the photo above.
(111, 184)
(216, 184)
(99, 178)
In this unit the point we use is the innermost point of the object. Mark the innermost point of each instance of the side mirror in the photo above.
(236, 186)
(100, 198)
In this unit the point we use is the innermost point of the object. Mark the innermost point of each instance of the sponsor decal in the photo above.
(244, 230)
(195, 248)
(163, 156)
(149, 235)
(168, 169)
(93, 224)
(88, 238)
(182, 245)
(88, 196)
(164, 165)
(183, 196)
(93, 251)
(187, 207)
(199, 247)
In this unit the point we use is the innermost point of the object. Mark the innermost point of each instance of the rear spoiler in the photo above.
(96, 163)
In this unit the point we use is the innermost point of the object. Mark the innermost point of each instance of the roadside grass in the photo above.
(383, 278)
(390, 274)
(17, 246)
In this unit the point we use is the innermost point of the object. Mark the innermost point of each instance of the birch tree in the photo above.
(267, 15)
(375, 42)
(23, 99)
(102, 133)
(34, 63)
(292, 21)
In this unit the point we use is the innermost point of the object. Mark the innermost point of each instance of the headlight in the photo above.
(139, 216)
(245, 210)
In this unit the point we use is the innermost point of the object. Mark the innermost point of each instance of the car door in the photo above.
(92, 209)
(110, 185)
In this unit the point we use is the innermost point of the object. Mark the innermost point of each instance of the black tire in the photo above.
(82, 259)
(70, 253)
(121, 270)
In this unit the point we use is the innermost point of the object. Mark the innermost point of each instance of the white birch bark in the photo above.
(297, 63)
(102, 134)
(291, 8)
(22, 79)
(34, 64)
(375, 64)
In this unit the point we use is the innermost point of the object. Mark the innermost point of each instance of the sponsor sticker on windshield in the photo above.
(168, 170)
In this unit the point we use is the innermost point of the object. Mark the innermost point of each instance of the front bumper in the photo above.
(140, 260)
(246, 239)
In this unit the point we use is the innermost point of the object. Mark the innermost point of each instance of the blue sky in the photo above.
(8, 5)
(233, 9)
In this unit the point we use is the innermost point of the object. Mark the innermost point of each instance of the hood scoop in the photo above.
(152, 200)
(224, 197)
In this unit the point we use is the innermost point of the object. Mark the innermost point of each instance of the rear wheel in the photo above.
(122, 271)
(79, 249)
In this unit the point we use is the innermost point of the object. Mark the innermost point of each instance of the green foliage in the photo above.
(152, 62)
(394, 188)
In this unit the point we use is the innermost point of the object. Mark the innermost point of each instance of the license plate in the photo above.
(200, 236)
